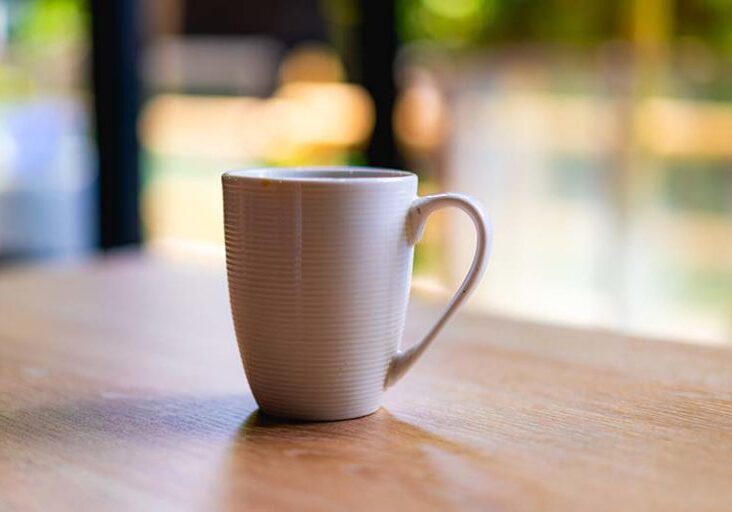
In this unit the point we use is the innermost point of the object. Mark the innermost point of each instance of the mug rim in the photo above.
(320, 174)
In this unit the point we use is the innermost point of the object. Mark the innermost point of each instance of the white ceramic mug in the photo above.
(319, 265)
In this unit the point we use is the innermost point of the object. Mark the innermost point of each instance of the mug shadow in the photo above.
(363, 464)
(250, 459)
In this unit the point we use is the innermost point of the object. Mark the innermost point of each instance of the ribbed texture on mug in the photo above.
(318, 279)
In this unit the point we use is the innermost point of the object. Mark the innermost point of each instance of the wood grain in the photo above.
(121, 389)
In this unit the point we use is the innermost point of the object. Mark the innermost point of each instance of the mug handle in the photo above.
(420, 210)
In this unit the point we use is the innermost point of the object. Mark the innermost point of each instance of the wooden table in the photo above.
(121, 389)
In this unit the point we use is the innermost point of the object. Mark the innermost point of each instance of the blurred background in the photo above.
(598, 135)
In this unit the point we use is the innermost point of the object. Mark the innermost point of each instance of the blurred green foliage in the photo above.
(465, 23)
(707, 20)
(38, 25)
(40, 34)
(452, 22)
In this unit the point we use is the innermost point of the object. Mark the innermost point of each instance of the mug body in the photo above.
(319, 267)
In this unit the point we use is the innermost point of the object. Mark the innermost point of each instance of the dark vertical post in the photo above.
(116, 104)
(377, 51)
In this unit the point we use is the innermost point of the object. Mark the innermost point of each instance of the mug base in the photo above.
(294, 417)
